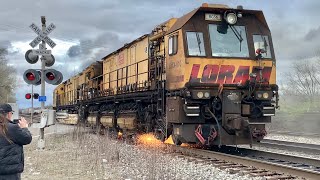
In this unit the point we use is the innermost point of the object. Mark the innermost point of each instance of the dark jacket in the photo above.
(11, 154)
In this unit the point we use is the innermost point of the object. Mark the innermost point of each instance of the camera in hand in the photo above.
(16, 121)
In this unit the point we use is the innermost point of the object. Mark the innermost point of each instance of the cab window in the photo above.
(195, 44)
(262, 42)
(173, 45)
(229, 43)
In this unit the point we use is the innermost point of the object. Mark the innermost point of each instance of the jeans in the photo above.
(11, 177)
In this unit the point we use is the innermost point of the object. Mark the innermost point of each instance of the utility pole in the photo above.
(41, 142)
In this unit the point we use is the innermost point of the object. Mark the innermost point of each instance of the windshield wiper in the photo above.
(265, 45)
(198, 38)
(199, 42)
(238, 35)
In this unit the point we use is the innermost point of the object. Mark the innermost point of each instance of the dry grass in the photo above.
(85, 156)
(82, 155)
(65, 157)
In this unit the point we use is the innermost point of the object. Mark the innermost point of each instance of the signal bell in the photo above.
(49, 59)
(32, 76)
(31, 57)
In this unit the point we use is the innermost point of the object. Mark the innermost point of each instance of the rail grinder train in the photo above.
(207, 77)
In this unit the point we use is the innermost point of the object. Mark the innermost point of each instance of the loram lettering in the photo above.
(225, 74)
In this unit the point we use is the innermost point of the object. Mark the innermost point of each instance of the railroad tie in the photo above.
(235, 169)
(216, 163)
(245, 172)
(224, 165)
(280, 177)
(262, 174)
(228, 165)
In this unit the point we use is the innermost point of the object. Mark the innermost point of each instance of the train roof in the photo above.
(217, 7)
(126, 45)
(184, 19)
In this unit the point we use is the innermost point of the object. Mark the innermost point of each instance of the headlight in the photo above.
(231, 18)
(259, 95)
(265, 95)
(200, 94)
(206, 94)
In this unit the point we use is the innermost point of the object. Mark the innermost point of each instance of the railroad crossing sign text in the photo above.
(41, 52)
(42, 35)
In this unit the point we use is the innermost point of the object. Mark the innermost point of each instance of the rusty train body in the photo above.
(207, 77)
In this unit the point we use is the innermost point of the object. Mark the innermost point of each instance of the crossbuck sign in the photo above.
(42, 35)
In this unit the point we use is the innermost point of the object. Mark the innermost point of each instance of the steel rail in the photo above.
(290, 133)
(303, 147)
(302, 162)
(260, 164)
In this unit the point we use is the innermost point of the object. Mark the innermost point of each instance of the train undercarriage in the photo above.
(209, 114)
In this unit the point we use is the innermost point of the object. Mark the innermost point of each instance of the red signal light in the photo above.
(50, 76)
(28, 96)
(30, 76)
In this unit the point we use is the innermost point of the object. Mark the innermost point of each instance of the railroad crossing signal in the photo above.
(32, 76)
(51, 76)
(30, 95)
(36, 77)
(42, 35)
(35, 95)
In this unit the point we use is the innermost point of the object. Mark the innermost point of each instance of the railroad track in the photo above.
(250, 162)
(290, 146)
(256, 164)
(36, 117)
(294, 161)
(294, 133)
(266, 165)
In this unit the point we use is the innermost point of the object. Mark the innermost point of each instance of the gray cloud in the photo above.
(74, 51)
(313, 34)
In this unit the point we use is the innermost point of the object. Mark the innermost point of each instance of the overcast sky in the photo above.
(88, 30)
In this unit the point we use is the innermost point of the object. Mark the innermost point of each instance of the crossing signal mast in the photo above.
(40, 76)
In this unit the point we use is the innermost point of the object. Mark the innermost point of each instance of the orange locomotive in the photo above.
(207, 77)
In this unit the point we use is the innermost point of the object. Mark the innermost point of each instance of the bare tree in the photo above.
(303, 81)
(7, 78)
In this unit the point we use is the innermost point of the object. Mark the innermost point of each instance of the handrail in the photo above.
(95, 87)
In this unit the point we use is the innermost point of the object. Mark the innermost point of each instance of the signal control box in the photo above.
(48, 118)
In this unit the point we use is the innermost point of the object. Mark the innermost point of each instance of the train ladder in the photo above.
(161, 120)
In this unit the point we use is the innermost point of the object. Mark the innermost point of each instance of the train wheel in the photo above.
(159, 135)
(100, 130)
(176, 140)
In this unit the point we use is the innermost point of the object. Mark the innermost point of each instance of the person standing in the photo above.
(12, 138)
